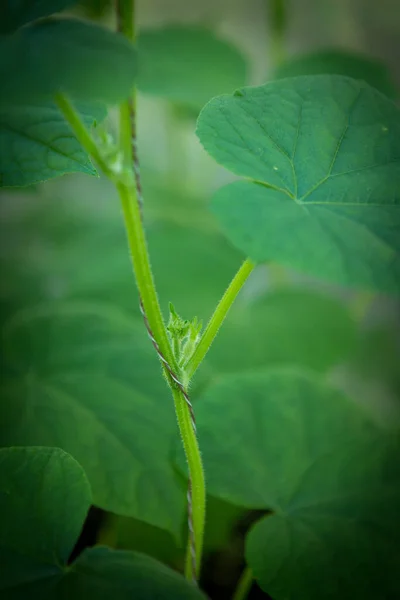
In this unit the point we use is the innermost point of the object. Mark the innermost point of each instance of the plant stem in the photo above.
(82, 134)
(145, 283)
(131, 199)
(277, 27)
(196, 476)
(244, 585)
(142, 268)
(218, 317)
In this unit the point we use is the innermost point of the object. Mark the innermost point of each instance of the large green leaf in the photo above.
(44, 497)
(86, 61)
(284, 441)
(188, 65)
(85, 378)
(287, 326)
(323, 153)
(339, 62)
(37, 144)
(15, 13)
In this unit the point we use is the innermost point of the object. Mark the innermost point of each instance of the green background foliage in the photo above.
(298, 398)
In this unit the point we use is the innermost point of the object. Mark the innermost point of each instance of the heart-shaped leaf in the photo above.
(14, 14)
(44, 497)
(84, 377)
(338, 62)
(188, 65)
(324, 156)
(283, 441)
(87, 62)
(37, 143)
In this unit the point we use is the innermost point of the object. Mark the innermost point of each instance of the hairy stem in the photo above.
(244, 584)
(153, 316)
(132, 201)
(218, 317)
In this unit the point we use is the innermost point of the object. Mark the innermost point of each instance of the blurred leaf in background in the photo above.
(14, 15)
(339, 62)
(188, 65)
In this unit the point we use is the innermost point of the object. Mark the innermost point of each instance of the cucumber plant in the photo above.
(88, 388)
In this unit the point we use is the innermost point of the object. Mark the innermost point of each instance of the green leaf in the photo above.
(16, 13)
(282, 440)
(83, 60)
(84, 377)
(339, 62)
(287, 326)
(37, 143)
(44, 497)
(188, 65)
(323, 153)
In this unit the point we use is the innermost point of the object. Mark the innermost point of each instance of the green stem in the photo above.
(147, 291)
(142, 268)
(277, 27)
(82, 134)
(145, 283)
(244, 585)
(218, 318)
(196, 474)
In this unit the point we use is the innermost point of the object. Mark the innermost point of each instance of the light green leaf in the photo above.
(188, 65)
(44, 497)
(284, 441)
(339, 62)
(323, 153)
(287, 326)
(37, 143)
(87, 62)
(85, 378)
(15, 13)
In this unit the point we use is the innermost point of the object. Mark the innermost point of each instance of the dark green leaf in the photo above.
(288, 326)
(188, 65)
(338, 62)
(102, 573)
(85, 378)
(37, 143)
(284, 441)
(44, 497)
(323, 152)
(15, 13)
(88, 62)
